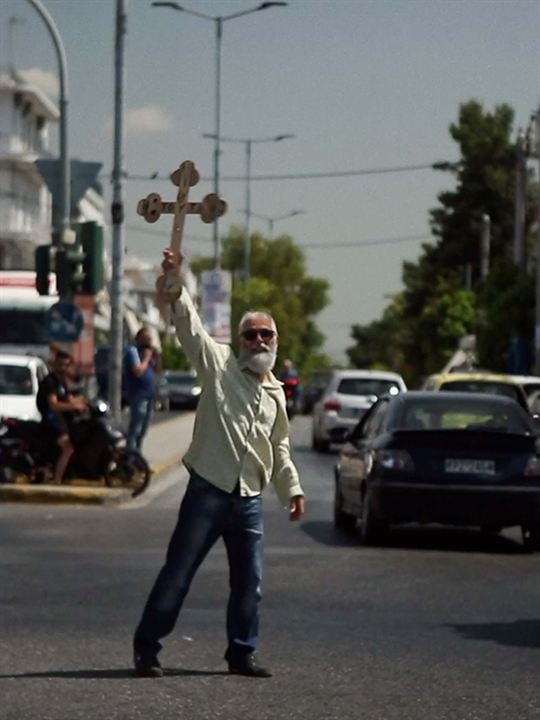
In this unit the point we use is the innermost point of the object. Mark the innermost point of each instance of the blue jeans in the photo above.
(206, 514)
(140, 412)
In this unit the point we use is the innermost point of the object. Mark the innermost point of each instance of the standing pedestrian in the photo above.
(140, 368)
(240, 444)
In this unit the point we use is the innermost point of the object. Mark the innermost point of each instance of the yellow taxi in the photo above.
(484, 382)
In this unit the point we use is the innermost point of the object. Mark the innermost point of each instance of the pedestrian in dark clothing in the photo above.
(140, 368)
(240, 444)
(57, 407)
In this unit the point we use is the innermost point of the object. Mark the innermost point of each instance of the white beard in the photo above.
(259, 362)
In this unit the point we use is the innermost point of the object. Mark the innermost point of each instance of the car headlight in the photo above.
(196, 391)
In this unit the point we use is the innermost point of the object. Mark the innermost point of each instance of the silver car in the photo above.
(348, 395)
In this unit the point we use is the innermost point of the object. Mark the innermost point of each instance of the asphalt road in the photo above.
(439, 624)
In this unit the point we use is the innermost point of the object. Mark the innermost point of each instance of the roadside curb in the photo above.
(81, 492)
(63, 495)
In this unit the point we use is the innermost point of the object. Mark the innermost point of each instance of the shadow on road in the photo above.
(520, 633)
(326, 534)
(465, 540)
(452, 540)
(116, 674)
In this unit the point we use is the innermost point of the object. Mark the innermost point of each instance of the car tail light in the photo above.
(332, 405)
(533, 467)
(395, 460)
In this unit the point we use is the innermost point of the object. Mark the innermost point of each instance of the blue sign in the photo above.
(64, 322)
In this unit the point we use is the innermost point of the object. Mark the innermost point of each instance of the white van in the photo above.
(23, 319)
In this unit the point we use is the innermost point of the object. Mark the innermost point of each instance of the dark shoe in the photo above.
(247, 665)
(147, 666)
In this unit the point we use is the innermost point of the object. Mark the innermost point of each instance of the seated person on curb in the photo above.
(240, 444)
(57, 405)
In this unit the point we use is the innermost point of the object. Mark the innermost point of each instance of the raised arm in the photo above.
(201, 349)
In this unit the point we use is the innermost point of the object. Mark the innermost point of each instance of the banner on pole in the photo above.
(216, 287)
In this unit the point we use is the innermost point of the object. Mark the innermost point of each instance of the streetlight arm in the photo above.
(175, 6)
(276, 138)
(262, 6)
(181, 8)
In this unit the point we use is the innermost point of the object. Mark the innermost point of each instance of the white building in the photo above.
(26, 114)
(25, 203)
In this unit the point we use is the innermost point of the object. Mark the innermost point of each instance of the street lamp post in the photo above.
(537, 283)
(63, 218)
(271, 220)
(218, 20)
(248, 142)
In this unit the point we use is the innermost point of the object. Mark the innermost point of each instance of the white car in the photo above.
(347, 396)
(530, 385)
(20, 376)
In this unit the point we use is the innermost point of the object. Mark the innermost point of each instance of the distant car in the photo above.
(455, 458)
(20, 376)
(486, 382)
(182, 388)
(347, 396)
(529, 383)
(312, 391)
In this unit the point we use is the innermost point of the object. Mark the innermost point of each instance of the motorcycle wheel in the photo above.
(128, 468)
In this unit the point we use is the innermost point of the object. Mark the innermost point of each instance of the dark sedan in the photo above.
(440, 457)
(182, 388)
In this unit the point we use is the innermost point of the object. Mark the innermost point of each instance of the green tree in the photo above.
(443, 296)
(173, 356)
(278, 284)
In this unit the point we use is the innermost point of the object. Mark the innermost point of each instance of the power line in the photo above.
(371, 241)
(311, 246)
(157, 233)
(440, 165)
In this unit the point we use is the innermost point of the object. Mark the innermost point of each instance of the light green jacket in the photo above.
(241, 431)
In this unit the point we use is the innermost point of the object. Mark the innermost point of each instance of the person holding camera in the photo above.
(140, 377)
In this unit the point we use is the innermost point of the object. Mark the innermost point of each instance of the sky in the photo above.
(362, 85)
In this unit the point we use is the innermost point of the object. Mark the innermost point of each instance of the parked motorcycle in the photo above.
(100, 452)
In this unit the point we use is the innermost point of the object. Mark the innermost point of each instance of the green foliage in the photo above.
(278, 284)
(173, 356)
(438, 305)
(507, 301)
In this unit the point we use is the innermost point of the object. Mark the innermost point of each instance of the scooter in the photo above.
(100, 452)
(291, 387)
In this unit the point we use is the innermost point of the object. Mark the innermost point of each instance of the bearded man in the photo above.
(240, 444)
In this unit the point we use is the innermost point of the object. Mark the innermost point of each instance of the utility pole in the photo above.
(117, 217)
(520, 202)
(537, 289)
(485, 246)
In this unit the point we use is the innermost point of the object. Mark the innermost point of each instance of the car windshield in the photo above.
(462, 415)
(179, 378)
(24, 327)
(15, 380)
(483, 386)
(367, 386)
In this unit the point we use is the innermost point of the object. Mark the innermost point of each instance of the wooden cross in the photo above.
(210, 208)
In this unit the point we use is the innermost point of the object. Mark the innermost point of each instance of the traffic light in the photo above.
(91, 238)
(43, 268)
(69, 269)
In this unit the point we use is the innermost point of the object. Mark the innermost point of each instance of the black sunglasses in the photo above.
(264, 333)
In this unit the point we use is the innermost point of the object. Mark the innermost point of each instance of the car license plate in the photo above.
(470, 467)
